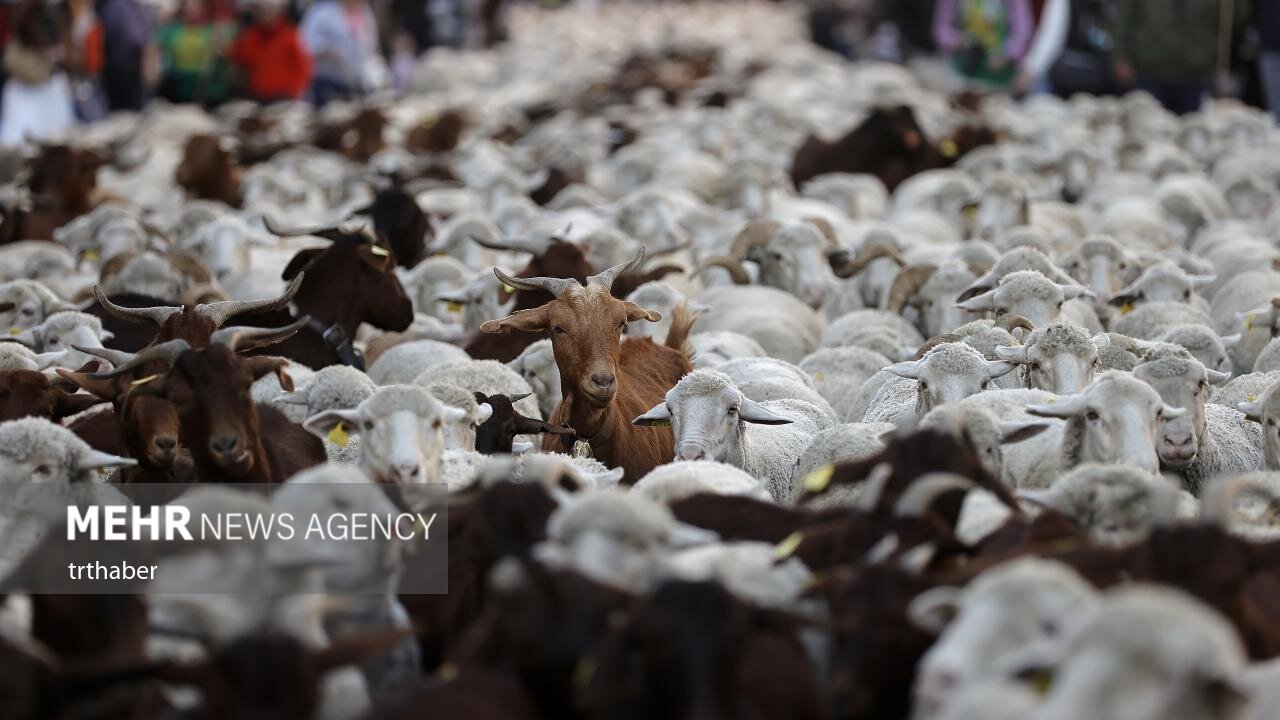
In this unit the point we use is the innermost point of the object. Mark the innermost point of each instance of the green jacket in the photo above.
(1173, 40)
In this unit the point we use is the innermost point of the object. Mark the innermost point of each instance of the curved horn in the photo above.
(907, 283)
(756, 232)
(220, 312)
(824, 227)
(533, 246)
(935, 341)
(115, 357)
(605, 278)
(1009, 321)
(736, 272)
(157, 314)
(852, 266)
(166, 352)
(555, 286)
(922, 493)
(985, 282)
(243, 337)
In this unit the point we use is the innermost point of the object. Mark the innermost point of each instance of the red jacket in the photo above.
(275, 63)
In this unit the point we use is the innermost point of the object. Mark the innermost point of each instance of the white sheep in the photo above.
(1115, 504)
(713, 348)
(64, 332)
(676, 481)
(537, 365)
(461, 433)
(1032, 295)
(837, 373)
(662, 297)
(406, 361)
(1060, 358)
(783, 325)
(849, 442)
(27, 303)
(486, 376)
(948, 373)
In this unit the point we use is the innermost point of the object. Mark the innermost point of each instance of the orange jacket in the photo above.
(274, 61)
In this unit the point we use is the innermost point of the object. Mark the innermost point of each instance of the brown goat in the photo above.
(208, 171)
(605, 381)
(28, 393)
(358, 138)
(143, 426)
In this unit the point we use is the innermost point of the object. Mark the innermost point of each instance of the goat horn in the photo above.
(220, 312)
(605, 278)
(556, 286)
(907, 283)
(934, 342)
(166, 352)
(865, 256)
(243, 337)
(515, 398)
(733, 265)
(922, 493)
(315, 230)
(115, 357)
(157, 314)
(1009, 321)
(533, 246)
(757, 232)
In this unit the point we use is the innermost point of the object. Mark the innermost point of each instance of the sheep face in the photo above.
(795, 260)
(25, 304)
(119, 236)
(1005, 610)
(36, 450)
(401, 429)
(64, 332)
(1116, 504)
(537, 365)
(1003, 205)
(708, 417)
(949, 373)
(479, 300)
(1184, 383)
(1102, 266)
(1115, 420)
(938, 311)
(1062, 359)
(223, 245)
(1266, 410)
(1165, 282)
(1027, 293)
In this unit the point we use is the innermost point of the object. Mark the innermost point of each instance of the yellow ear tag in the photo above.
(948, 148)
(788, 546)
(454, 306)
(1126, 308)
(379, 251)
(1252, 398)
(818, 480)
(1248, 323)
(820, 376)
(447, 671)
(15, 331)
(583, 673)
(508, 287)
(338, 436)
(660, 423)
(92, 256)
(144, 381)
(970, 211)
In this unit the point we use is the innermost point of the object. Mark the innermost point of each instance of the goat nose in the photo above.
(224, 445)
(604, 381)
(166, 443)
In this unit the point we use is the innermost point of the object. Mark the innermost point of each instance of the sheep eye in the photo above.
(54, 341)
(924, 385)
(1124, 266)
(1271, 422)
(986, 384)
(733, 410)
(44, 470)
(437, 424)
(28, 312)
(1091, 416)
(367, 425)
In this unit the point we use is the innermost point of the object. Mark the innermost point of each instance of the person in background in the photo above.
(984, 37)
(342, 37)
(84, 60)
(1267, 22)
(270, 55)
(1046, 46)
(1171, 48)
(37, 96)
(193, 51)
(126, 30)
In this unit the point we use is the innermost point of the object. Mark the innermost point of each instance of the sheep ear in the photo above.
(322, 425)
(999, 368)
(1071, 292)
(294, 397)
(47, 360)
(933, 609)
(909, 369)
(96, 459)
(1012, 354)
(1199, 280)
(753, 412)
(658, 415)
(454, 296)
(1016, 432)
(979, 303)
(1230, 341)
(1217, 377)
(30, 338)
(1101, 341)
(1069, 406)
(535, 320)
(1251, 410)
(635, 312)
(451, 414)
(485, 412)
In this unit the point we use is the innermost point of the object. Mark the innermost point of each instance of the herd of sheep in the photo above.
(1089, 308)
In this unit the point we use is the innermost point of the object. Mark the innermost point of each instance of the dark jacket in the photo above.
(1173, 40)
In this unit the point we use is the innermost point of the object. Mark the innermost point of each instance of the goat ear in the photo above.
(261, 366)
(658, 415)
(300, 262)
(753, 412)
(1015, 432)
(635, 312)
(484, 413)
(535, 320)
(933, 609)
(69, 404)
(357, 649)
(103, 388)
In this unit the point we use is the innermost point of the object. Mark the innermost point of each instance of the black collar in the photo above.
(336, 338)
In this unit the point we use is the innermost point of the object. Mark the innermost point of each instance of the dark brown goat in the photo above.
(605, 380)
(358, 138)
(496, 435)
(224, 430)
(208, 171)
(399, 220)
(437, 135)
(28, 393)
(63, 185)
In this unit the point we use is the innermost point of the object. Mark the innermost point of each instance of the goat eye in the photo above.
(622, 325)
(1124, 266)
(558, 330)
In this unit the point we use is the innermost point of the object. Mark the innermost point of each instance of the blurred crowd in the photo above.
(68, 61)
(1180, 51)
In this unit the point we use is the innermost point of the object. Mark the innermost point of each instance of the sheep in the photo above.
(27, 303)
(461, 434)
(1263, 410)
(1163, 282)
(840, 330)
(749, 570)
(931, 292)
(664, 298)
(1203, 344)
(678, 480)
(838, 373)
(1208, 440)
(948, 373)
(987, 625)
(337, 387)
(431, 277)
(983, 431)
(146, 274)
(1269, 359)
(1241, 388)
(537, 365)
(791, 257)
(1150, 321)
(1114, 420)
(1125, 662)
(406, 361)
(713, 348)
(14, 356)
(1032, 295)
(1245, 305)
(36, 450)
(783, 325)
(1103, 265)
(401, 429)
(487, 376)
(67, 332)
(477, 299)
(1115, 504)
(1060, 358)
(709, 416)
(562, 475)
(849, 442)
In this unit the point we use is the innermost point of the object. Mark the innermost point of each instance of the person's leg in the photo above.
(1186, 97)
(1269, 70)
